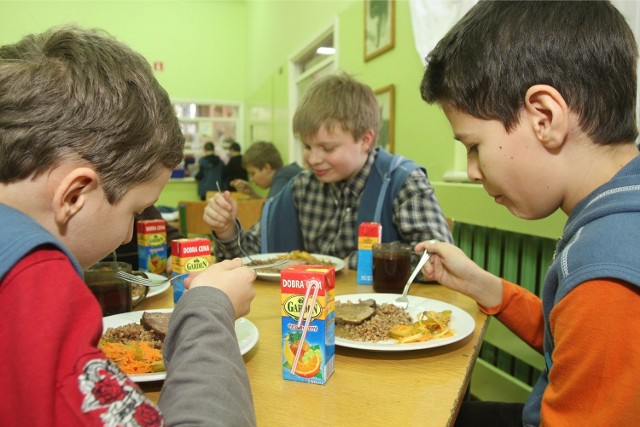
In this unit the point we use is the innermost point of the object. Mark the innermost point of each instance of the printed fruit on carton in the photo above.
(308, 369)
(291, 348)
(305, 368)
(157, 264)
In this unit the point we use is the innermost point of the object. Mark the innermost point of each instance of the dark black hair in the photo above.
(499, 49)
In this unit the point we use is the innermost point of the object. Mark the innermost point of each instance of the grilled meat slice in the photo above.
(158, 323)
(355, 313)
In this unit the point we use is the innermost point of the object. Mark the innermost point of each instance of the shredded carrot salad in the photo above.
(135, 357)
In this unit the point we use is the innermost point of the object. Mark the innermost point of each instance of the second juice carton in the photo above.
(369, 233)
(315, 362)
(152, 245)
(188, 256)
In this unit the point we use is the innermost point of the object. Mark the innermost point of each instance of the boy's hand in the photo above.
(231, 278)
(243, 187)
(220, 214)
(450, 267)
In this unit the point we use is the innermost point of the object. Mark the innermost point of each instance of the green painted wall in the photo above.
(202, 43)
(239, 50)
(278, 28)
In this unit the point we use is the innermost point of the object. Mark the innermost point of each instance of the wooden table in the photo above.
(413, 388)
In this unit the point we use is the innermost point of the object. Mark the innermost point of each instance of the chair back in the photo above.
(235, 194)
(249, 211)
(192, 213)
(191, 218)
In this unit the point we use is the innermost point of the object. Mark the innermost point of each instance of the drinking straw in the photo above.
(309, 313)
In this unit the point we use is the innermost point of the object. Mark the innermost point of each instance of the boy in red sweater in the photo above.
(88, 139)
(543, 96)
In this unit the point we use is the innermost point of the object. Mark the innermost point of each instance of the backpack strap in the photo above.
(279, 226)
(383, 185)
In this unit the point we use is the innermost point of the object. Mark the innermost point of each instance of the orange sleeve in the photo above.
(521, 312)
(595, 377)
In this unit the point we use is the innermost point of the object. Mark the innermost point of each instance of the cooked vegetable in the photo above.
(401, 331)
(134, 357)
(430, 325)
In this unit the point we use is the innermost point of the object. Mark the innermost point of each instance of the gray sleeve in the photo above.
(207, 382)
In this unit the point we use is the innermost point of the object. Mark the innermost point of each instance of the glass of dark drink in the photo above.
(391, 266)
(114, 294)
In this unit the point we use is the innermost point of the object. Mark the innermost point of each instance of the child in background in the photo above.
(321, 208)
(89, 139)
(233, 169)
(210, 170)
(543, 97)
(264, 165)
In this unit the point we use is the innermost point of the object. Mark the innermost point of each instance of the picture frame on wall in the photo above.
(379, 27)
(386, 133)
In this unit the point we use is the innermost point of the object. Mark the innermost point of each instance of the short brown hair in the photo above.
(262, 153)
(337, 100)
(75, 94)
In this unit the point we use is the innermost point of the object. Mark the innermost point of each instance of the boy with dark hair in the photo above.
(210, 170)
(543, 95)
(233, 169)
(348, 182)
(264, 165)
(88, 139)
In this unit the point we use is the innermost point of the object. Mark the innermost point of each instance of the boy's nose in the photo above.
(314, 157)
(473, 171)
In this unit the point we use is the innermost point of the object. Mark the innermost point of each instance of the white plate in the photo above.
(247, 335)
(461, 322)
(246, 332)
(266, 275)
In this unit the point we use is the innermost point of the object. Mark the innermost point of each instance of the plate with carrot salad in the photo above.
(138, 352)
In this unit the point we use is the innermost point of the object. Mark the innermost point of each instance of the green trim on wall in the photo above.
(178, 190)
(469, 203)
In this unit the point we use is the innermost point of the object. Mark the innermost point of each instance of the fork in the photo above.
(402, 301)
(139, 280)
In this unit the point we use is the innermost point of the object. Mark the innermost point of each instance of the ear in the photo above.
(72, 193)
(548, 114)
(367, 140)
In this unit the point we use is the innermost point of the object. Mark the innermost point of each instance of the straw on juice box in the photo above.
(308, 323)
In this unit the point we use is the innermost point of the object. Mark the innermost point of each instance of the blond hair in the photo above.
(337, 100)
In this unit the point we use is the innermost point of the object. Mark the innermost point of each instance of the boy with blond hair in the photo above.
(88, 139)
(543, 97)
(348, 181)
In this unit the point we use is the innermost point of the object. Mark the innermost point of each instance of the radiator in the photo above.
(521, 259)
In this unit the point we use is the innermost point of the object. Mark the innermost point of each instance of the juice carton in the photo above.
(152, 245)
(316, 360)
(188, 255)
(368, 234)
